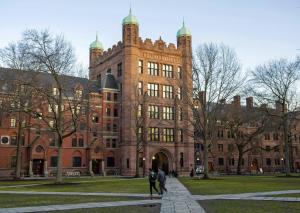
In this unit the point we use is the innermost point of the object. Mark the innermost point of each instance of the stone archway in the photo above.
(160, 160)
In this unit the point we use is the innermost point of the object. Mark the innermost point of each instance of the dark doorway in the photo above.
(96, 166)
(160, 160)
(38, 167)
(254, 165)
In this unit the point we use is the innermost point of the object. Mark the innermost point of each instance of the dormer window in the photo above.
(78, 93)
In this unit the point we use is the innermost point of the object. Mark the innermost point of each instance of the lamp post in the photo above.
(282, 163)
(144, 160)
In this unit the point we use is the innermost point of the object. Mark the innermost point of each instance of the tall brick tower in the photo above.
(162, 73)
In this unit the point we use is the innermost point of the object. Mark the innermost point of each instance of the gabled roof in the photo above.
(109, 82)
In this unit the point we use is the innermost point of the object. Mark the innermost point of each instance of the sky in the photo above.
(258, 30)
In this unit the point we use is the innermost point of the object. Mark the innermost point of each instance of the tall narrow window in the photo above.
(140, 66)
(76, 161)
(167, 91)
(180, 135)
(179, 93)
(140, 88)
(153, 90)
(168, 113)
(179, 73)
(153, 68)
(13, 122)
(119, 69)
(140, 133)
(153, 134)
(167, 71)
(180, 113)
(168, 134)
(181, 159)
(139, 111)
(153, 112)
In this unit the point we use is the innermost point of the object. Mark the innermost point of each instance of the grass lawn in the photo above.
(153, 208)
(287, 195)
(91, 185)
(247, 206)
(18, 200)
(240, 184)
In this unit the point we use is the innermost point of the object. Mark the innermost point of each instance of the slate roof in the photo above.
(109, 82)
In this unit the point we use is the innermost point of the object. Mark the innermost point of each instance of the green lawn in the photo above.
(247, 206)
(287, 195)
(18, 200)
(154, 208)
(91, 185)
(240, 184)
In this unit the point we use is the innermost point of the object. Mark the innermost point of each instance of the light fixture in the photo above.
(153, 158)
(144, 158)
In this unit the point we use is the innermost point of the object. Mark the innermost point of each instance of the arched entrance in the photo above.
(160, 160)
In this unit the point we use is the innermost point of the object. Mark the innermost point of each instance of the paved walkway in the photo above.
(178, 199)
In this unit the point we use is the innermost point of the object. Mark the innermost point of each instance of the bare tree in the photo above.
(275, 82)
(50, 56)
(216, 77)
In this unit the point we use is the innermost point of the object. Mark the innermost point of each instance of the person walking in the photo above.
(161, 177)
(152, 181)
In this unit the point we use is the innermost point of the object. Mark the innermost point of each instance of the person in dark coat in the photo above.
(161, 177)
(152, 181)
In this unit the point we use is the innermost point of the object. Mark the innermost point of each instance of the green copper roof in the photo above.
(96, 44)
(183, 31)
(130, 19)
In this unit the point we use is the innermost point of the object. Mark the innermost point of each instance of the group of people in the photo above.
(160, 177)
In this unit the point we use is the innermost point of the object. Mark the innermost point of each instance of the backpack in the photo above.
(152, 176)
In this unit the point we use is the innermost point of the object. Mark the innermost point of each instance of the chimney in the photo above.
(237, 100)
(249, 102)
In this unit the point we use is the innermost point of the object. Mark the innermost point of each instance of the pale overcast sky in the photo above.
(258, 30)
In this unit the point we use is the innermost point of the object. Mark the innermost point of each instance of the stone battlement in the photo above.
(159, 45)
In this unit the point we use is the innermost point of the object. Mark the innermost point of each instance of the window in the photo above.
(13, 162)
(55, 91)
(277, 161)
(115, 97)
(221, 161)
(108, 127)
(179, 93)
(231, 162)
(127, 163)
(107, 111)
(268, 148)
(115, 128)
(139, 111)
(167, 91)
(78, 93)
(220, 147)
(107, 143)
(51, 124)
(168, 134)
(110, 162)
(220, 134)
(74, 142)
(275, 136)
(140, 66)
(153, 134)
(114, 143)
(268, 161)
(140, 88)
(116, 112)
(181, 159)
(76, 161)
(13, 140)
(153, 89)
(179, 73)
(95, 119)
(153, 112)
(167, 71)
(230, 134)
(180, 113)
(108, 96)
(140, 134)
(230, 147)
(12, 122)
(108, 70)
(168, 113)
(80, 142)
(152, 68)
(180, 135)
(53, 161)
(267, 136)
(55, 108)
(119, 69)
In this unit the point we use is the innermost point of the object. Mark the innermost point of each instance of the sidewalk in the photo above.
(179, 199)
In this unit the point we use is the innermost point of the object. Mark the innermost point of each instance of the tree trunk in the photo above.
(19, 150)
(137, 174)
(205, 172)
(59, 175)
(240, 158)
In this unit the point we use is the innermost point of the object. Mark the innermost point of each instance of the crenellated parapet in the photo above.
(115, 49)
(159, 45)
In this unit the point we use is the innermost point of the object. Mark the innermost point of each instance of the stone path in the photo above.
(77, 206)
(179, 199)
